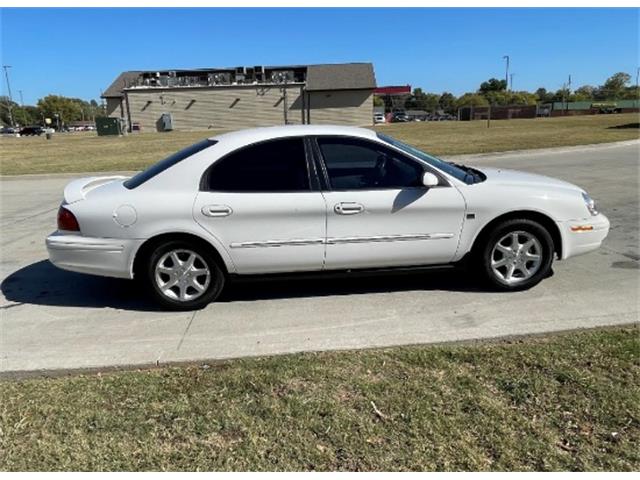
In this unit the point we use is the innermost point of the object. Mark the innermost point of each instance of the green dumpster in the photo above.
(109, 126)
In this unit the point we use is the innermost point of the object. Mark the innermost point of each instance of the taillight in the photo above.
(67, 220)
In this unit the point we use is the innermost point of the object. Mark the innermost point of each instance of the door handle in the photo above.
(348, 208)
(216, 211)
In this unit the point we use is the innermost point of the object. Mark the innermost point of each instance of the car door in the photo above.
(259, 202)
(379, 214)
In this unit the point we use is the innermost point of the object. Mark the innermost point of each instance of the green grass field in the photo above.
(90, 153)
(560, 402)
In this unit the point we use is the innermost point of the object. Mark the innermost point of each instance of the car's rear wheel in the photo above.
(183, 275)
(516, 255)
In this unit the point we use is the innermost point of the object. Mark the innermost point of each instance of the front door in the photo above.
(259, 204)
(379, 214)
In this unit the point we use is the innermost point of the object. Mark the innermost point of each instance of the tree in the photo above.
(28, 115)
(615, 84)
(493, 85)
(420, 100)
(471, 100)
(585, 92)
(497, 97)
(447, 102)
(7, 110)
(378, 101)
(631, 93)
(561, 95)
(69, 109)
(543, 95)
(522, 98)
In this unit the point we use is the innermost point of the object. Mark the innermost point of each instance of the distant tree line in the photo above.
(491, 92)
(67, 109)
(495, 92)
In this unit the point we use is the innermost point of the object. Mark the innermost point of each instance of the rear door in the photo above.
(259, 201)
(379, 214)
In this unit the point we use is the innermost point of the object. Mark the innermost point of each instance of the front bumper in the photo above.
(583, 235)
(108, 257)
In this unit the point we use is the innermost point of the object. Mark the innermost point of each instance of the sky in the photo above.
(79, 52)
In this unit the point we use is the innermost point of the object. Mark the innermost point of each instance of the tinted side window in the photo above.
(354, 164)
(168, 162)
(273, 166)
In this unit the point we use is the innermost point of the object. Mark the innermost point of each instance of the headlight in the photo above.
(590, 203)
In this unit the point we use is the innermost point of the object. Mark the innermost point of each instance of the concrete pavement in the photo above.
(51, 319)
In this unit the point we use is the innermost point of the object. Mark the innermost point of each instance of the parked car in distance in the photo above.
(7, 130)
(379, 118)
(31, 130)
(316, 198)
(399, 117)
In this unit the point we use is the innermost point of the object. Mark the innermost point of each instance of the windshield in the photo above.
(170, 161)
(451, 169)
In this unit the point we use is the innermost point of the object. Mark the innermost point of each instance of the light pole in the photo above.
(6, 76)
(511, 81)
(24, 113)
(506, 75)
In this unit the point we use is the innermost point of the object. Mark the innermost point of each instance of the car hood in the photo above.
(501, 176)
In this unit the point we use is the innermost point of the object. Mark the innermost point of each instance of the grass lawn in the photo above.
(89, 153)
(561, 402)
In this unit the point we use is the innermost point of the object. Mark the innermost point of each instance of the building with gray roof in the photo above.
(242, 97)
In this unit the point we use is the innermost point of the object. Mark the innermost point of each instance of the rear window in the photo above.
(168, 162)
(272, 166)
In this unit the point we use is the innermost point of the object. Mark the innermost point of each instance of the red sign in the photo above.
(393, 90)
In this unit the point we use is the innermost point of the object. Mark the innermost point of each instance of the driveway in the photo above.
(51, 319)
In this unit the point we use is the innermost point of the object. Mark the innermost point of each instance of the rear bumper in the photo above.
(583, 235)
(108, 257)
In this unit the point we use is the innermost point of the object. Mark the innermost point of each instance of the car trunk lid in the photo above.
(78, 189)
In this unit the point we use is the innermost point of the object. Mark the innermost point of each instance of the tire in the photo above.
(516, 255)
(183, 275)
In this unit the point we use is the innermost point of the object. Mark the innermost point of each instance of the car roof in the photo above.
(264, 133)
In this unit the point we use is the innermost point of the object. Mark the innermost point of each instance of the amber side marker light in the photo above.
(582, 228)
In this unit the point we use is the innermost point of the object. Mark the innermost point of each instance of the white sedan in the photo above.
(316, 198)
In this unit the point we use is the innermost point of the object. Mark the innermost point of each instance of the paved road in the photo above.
(52, 319)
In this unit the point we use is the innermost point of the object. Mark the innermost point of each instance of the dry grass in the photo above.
(454, 138)
(89, 153)
(86, 152)
(561, 402)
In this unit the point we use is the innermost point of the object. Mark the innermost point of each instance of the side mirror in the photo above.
(430, 180)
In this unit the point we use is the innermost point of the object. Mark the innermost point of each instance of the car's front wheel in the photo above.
(183, 275)
(516, 255)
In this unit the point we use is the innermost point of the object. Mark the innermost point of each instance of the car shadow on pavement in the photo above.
(43, 284)
(338, 284)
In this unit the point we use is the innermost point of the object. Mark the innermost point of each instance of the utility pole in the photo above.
(637, 75)
(6, 75)
(568, 91)
(511, 81)
(24, 113)
(506, 75)
(282, 78)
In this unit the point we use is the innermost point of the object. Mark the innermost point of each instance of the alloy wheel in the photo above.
(182, 275)
(516, 257)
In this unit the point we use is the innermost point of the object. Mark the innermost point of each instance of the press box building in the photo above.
(243, 97)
